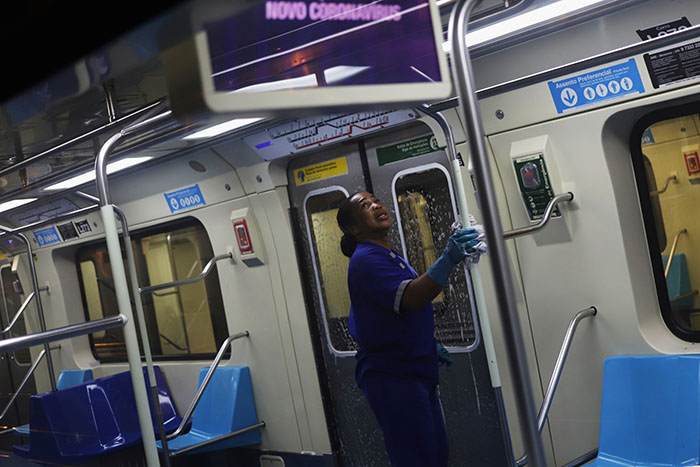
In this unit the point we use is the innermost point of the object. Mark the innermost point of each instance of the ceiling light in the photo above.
(90, 176)
(223, 128)
(519, 22)
(15, 203)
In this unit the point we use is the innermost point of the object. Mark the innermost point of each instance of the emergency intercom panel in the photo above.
(538, 181)
(248, 245)
(692, 162)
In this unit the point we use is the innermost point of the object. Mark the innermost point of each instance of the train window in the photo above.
(183, 322)
(667, 164)
(330, 265)
(424, 202)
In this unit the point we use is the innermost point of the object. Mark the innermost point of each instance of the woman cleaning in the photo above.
(391, 318)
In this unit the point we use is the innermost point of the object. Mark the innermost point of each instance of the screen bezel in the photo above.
(326, 97)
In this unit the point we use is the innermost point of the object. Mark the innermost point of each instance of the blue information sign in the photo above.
(596, 86)
(648, 137)
(47, 236)
(184, 198)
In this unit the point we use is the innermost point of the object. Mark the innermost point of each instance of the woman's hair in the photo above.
(346, 219)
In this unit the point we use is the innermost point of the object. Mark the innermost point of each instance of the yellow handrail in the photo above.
(673, 251)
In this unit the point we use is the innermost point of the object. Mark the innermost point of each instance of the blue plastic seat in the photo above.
(83, 422)
(66, 379)
(678, 281)
(650, 413)
(227, 405)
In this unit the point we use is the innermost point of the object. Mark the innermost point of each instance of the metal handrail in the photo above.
(19, 313)
(177, 283)
(66, 332)
(24, 381)
(673, 251)
(482, 325)
(666, 185)
(205, 382)
(569, 196)
(260, 424)
(37, 297)
(558, 368)
(498, 252)
(687, 295)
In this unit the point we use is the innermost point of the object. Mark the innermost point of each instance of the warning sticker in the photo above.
(322, 171)
(674, 65)
(595, 86)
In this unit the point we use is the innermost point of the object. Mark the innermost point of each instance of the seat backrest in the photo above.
(227, 403)
(70, 378)
(650, 410)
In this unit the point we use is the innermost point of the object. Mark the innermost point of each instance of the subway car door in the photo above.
(407, 171)
(13, 365)
(317, 184)
(410, 174)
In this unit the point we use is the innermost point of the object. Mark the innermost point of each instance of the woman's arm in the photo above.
(419, 292)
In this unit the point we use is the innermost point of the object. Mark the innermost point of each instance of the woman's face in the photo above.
(371, 215)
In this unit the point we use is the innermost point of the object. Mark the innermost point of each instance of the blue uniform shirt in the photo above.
(393, 341)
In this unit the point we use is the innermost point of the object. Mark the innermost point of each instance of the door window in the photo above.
(330, 265)
(424, 203)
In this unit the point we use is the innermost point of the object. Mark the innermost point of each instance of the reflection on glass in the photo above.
(182, 321)
(332, 266)
(426, 211)
(669, 148)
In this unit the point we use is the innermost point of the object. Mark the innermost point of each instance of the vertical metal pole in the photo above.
(123, 301)
(498, 254)
(144, 333)
(37, 298)
(475, 275)
(143, 329)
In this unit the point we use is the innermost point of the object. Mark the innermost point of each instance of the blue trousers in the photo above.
(409, 413)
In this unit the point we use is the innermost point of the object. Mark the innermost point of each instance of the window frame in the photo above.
(214, 300)
(643, 190)
(314, 262)
(470, 289)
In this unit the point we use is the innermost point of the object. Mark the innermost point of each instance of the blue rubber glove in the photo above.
(458, 246)
(444, 357)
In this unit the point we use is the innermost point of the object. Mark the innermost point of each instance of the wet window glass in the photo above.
(331, 266)
(426, 213)
(183, 322)
(671, 167)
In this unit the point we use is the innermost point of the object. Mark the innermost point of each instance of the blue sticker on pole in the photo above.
(185, 198)
(47, 236)
(596, 86)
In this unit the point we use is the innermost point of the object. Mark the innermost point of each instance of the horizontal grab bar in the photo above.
(205, 382)
(66, 332)
(666, 185)
(205, 272)
(569, 196)
(260, 424)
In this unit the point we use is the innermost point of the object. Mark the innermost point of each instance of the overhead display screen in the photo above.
(301, 54)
